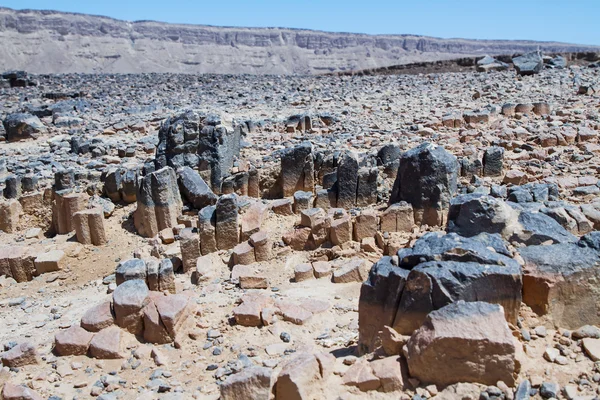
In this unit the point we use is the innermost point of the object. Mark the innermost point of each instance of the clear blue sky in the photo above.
(574, 21)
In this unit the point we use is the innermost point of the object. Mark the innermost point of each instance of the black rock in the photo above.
(529, 64)
(194, 189)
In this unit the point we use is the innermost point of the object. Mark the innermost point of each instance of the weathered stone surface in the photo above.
(166, 276)
(194, 189)
(302, 201)
(65, 205)
(355, 270)
(379, 298)
(19, 392)
(190, 249)
(89, 227)
(252, 219)
(17, 263)
(297, 169)
(391, 372)
(10, 214)
(22, 126)
(529, 64)
(20, 355)
(361, 375)
(262, 245)
(127, 270)
(158, 202)
(427, 179)
(303, 272)
(304, 376)
(98, 317)
(439, 269)
(475, 333)
(366, 190)
(227, 225)
(72, 342)
(559, 280)
(198, 141)
(53, 260)
(365, 225)
(207, 220)
(129, 299)
(398, 217)
(243, 254)
(472, 214)
(106, 344)
(493, 161)
(250, 384)
(347, 180)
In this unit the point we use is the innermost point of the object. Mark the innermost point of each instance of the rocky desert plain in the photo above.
(417, 232)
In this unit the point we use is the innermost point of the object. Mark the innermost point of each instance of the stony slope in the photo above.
(57, 42)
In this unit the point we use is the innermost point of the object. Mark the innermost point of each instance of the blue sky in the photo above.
(574, 21)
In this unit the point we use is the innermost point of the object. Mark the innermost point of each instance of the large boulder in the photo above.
(427, 179)
(439, 269)
(22, 126)
(472, 214)
(529, 64)
(560, 280)
(463, 342)
(199, 141)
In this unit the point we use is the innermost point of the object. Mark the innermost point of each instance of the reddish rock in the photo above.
(72, 342)
(475, 333)
(303, 272)
(322, 269)
(129, 299)
(361, 375)
(515, 177)
(20, 392)
(243, 254)
(389, 372)
(282, 207)
(341, 230)
(20, 355)
(98, 317)
(293, 313)
(106, 344)
(365, 225)
(303, 377)
(297, 239)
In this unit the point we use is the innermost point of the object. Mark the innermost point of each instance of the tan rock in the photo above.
(54, 260)
(361, 375)
(355, 270)
(389, 372)
(303, 377)
(252, 383)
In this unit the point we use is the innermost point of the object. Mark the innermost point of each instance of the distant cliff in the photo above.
(57, 42)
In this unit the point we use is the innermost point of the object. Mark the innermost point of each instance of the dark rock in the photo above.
(22, 126)
(529, 64)
(493, 161)
(198, 141)
(427, 179)
(297, 169)
(194, 189)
